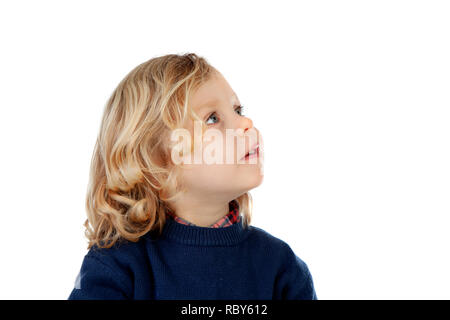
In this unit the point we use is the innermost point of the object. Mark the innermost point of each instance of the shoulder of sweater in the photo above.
(121, 255)
(286, 253)
(266, 238)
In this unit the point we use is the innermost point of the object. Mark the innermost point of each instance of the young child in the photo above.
(163, 226)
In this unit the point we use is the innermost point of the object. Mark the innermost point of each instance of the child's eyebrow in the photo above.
(208, 104)
(212, 103)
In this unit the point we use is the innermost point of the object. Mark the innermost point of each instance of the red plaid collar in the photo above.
(230, 218)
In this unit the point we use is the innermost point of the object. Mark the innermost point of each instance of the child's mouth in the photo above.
(252, 154)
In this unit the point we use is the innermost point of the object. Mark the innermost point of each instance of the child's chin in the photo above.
(255, 181)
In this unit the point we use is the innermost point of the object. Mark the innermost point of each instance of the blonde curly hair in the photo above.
(131, 177)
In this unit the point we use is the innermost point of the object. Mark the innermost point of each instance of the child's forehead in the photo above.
(213, 101)
(213, 91)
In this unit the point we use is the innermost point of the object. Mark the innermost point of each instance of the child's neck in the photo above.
(202, 213)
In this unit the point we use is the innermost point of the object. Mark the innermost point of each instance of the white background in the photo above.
(352, 99)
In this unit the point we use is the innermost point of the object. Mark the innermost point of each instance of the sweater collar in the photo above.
(204, 236)
(232, 217)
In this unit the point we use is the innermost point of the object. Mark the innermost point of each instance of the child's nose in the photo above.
(246, 123)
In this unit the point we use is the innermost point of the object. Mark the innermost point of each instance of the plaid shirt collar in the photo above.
(230, 218)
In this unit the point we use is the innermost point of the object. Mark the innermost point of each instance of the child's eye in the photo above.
(241, 109)
(215, 118)
(212, 116)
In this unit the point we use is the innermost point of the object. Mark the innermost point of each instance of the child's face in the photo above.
(218, 107)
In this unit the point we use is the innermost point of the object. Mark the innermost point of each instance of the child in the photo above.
(163, 226)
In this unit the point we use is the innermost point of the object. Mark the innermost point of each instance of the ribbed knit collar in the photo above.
(232, 217)
(204, 236)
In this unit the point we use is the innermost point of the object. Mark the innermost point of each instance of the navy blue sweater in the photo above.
(192, 262)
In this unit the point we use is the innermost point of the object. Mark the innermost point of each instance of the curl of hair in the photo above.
(131, 178)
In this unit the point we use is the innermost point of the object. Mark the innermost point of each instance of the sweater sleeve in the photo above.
(98, 281)
(295, 282)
